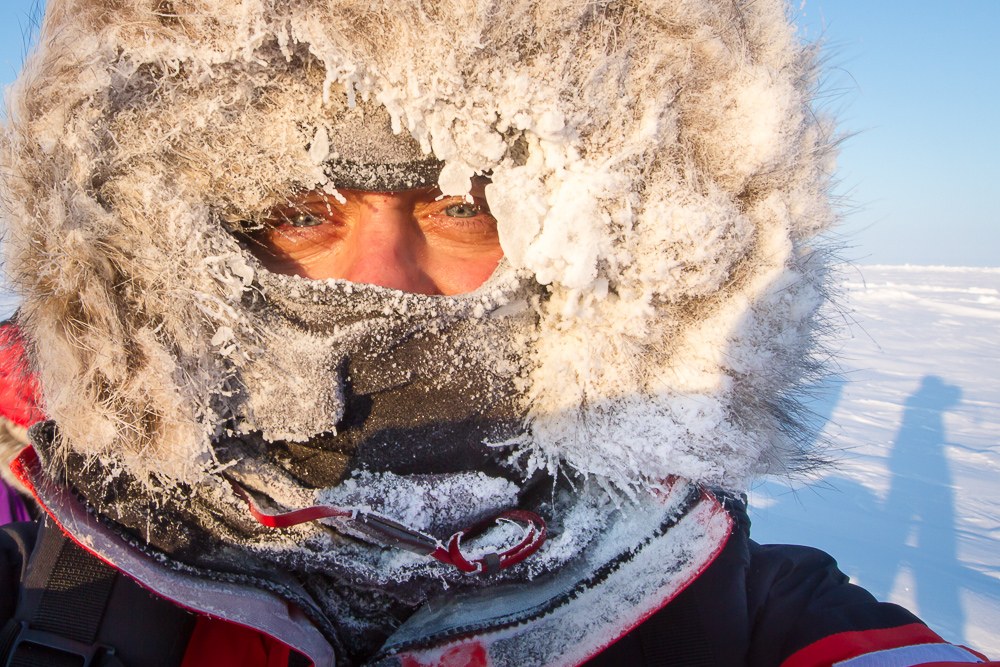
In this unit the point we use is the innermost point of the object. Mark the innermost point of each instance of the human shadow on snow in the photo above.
(919, 508)
(913, 527)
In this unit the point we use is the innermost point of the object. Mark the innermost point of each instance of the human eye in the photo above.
(462, 210)
(300, 219)
(459, 220)
(465, 214)
(301, 213)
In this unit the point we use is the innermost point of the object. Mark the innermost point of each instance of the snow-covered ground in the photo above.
(911, 509)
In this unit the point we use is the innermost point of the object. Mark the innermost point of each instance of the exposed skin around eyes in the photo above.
(415, 241)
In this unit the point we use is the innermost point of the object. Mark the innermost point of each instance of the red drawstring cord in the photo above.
(533, 537)
(395, 534)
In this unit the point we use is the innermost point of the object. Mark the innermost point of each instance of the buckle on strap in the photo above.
(75, 653)
(388, 532)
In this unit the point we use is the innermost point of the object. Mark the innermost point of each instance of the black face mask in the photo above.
(418, 384)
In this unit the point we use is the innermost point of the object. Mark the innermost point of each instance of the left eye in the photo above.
(463, 210)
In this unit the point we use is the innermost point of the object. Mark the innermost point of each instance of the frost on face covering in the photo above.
(346, 358)
(657, 176)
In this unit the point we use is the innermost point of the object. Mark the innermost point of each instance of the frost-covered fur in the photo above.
(656, 165)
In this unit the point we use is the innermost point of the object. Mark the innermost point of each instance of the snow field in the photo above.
(911, 506)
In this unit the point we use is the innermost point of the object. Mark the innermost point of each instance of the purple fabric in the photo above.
(12, 507)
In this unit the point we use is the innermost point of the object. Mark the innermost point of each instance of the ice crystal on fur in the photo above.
(656, 168)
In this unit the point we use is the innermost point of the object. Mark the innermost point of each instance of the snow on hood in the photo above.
(658, 174)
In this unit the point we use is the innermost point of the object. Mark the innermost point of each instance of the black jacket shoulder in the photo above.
(756, 605)
(797, 596)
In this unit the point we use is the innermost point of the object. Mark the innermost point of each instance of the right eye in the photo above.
(303, 219)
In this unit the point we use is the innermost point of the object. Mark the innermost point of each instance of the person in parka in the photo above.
(423, 332)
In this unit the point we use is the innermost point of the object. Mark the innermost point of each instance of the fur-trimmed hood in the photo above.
(659, 177)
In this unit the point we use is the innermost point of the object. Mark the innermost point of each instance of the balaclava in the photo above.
(659, 178)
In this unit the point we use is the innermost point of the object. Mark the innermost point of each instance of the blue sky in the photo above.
(919, 84)
(916, 85)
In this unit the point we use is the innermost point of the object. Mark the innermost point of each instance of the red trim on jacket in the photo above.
(468, 654)
(219, 643)
(20, 395)
(215, 642)
(846, 645)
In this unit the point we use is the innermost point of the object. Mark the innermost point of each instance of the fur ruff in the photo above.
(657, 167)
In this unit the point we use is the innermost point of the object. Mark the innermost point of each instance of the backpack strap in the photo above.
(74, 610)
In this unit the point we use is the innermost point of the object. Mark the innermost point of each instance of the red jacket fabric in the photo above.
(19, 407)
(218, 643)
(19, 393)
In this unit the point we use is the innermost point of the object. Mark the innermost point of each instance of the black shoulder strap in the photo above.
(74, 610)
